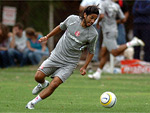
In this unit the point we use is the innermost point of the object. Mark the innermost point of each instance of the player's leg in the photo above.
(46, 69)
(45, 93)
(119, 50)
(112, 46)
(51, 88)
(60, 75)
(104, 58)
(42, 83)
(134, 42)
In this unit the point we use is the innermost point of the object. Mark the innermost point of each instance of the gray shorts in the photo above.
(110, 40)
(53, 69)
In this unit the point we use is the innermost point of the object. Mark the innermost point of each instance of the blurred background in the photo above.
(36, 14)
(43, 16)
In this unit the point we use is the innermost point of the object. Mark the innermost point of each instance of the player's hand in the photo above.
(82, 71)
(42, 39)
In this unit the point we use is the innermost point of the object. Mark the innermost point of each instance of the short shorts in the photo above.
(53, 69)
(110, 40)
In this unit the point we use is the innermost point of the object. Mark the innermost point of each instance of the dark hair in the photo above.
(4, 35)
(90, 10)
(19, 25)
(30, 31)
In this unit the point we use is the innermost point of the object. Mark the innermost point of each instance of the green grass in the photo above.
(77, 95)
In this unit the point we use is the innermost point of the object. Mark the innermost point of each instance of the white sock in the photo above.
(99, 70)
(36, 99)
(44, 84)
(129, 44)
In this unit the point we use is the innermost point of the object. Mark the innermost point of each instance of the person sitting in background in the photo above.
(17, 45)
(36, 49)
(4, 45)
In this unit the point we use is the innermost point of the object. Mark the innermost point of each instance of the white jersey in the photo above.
(110, 10)
(86, 3)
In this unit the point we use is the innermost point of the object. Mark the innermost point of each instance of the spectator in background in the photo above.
(82, 6)
(4, 46)
(141, 13)
(36, 49)
(17, 45)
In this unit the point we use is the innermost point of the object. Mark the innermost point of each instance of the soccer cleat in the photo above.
(138, 42)
(39, 88)
(90, 76)
(30, 105)
(97, 75)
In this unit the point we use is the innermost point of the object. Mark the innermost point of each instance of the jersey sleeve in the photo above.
(84, 3)
(63, 25)
(120, 13)
(102, 8)
(92, 44)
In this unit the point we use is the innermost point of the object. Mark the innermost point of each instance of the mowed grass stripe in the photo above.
(78, 94)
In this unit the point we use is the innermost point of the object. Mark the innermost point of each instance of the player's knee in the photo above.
(114, 53)
(39, 77)
(55, 83)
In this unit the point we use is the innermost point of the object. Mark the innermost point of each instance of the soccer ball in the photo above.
(108, 99)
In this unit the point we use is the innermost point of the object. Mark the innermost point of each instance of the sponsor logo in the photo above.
(74, 38)
(77, 33)
(41, 67)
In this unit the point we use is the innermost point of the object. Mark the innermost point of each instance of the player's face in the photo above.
(90, 19)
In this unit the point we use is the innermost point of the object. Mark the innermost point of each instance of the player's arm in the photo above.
(99, 19)
(88, 60)
(125, 19)
(55, 31)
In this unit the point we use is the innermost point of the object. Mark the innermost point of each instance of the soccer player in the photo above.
(79, 33)
(109, 12)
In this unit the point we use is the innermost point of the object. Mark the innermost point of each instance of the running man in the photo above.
(64, 58)
(109, 12)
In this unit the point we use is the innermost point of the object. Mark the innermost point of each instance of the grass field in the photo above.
(77, 95)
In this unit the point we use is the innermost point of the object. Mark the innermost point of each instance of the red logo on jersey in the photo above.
(41, 67)
(77, 33)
